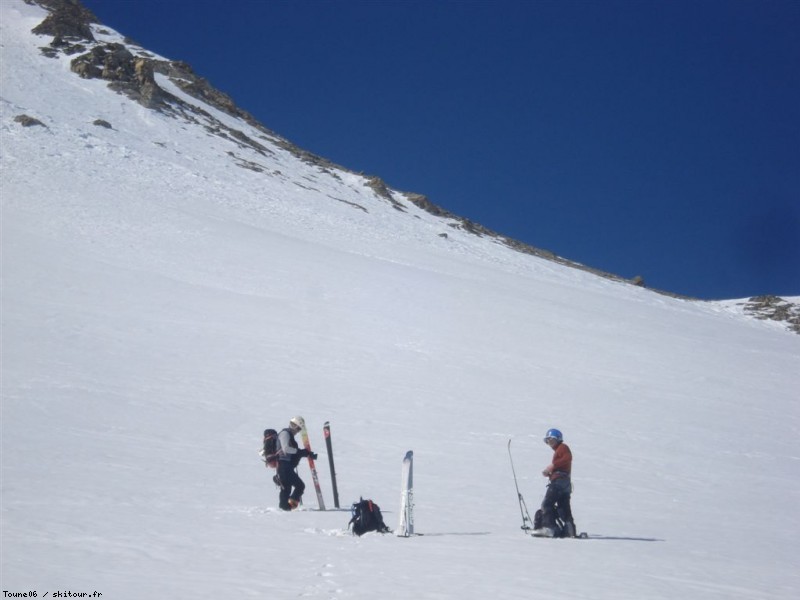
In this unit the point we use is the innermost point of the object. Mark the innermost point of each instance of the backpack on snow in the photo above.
(270, 451)
(367, 517)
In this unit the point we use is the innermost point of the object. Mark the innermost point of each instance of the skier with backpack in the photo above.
(288, 455)
(554, 519)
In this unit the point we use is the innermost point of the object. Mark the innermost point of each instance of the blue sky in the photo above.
(659, 139)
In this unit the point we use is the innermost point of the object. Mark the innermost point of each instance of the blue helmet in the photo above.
(553, 434)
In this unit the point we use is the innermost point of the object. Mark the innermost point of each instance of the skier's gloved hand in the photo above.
(302, 452)
(313, 455)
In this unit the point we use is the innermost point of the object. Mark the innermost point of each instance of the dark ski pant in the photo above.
(556, 502)
(291, 484)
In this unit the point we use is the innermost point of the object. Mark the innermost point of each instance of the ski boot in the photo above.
(569, 530)
(543, 532)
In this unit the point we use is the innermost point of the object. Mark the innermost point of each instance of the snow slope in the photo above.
(161, 306)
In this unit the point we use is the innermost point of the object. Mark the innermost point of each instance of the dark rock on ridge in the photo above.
(774, 308)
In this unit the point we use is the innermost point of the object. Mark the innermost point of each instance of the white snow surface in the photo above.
(161, 306)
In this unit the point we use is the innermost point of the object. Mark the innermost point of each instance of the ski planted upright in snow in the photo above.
(406, 526)
(326, 430)
(527, 524)
(312, 466)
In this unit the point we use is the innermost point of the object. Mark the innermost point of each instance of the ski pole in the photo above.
(523, 508)
(326, 430)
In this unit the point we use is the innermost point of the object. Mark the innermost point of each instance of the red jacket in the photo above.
(562, 462)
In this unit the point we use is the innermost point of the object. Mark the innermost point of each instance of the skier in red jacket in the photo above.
(557, 498)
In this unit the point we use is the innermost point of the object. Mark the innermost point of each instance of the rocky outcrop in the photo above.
(774, 308)
(68, 20)
(126, 73)
(378, 185)
(425, 204)
(28, 121)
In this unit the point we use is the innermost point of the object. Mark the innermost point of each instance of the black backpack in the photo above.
(270, 451)
(367, 517)
(560, 529)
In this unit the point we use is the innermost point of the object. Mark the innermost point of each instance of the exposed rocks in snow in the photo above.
(102, 123)
(27, 121)
(246, 164)
(425, 204)
(377, 185)
(67, 19)
(774, 308)
(127, 73)
(349, 203)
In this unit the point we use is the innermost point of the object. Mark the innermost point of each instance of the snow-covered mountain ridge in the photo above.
(130, 70)
(170, 289)
(173, 88)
